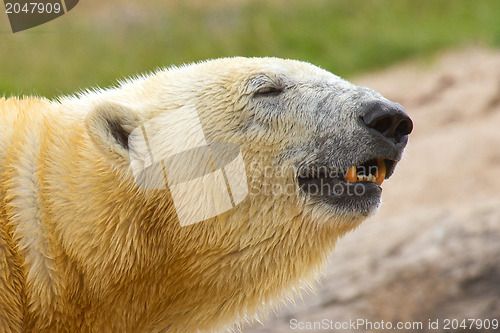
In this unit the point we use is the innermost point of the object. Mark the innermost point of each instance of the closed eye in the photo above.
(268, 91)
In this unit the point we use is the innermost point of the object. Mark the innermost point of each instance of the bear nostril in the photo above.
(404, 127)
(382, 125)
(389, 120)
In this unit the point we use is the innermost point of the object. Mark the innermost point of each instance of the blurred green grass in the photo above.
(91, 46)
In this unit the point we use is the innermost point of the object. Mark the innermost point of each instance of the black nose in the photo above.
(388, 119)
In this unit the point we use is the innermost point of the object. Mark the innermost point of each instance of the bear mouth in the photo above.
(356, 188)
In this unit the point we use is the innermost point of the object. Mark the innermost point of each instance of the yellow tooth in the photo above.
(351, 176)
(381, 171)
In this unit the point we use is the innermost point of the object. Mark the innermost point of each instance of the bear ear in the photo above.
(109, 126)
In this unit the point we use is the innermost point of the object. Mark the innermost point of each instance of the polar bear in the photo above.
(87, 246)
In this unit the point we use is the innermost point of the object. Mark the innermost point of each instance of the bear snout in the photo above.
(389, 120)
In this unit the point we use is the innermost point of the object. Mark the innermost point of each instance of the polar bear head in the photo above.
(309, 139)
